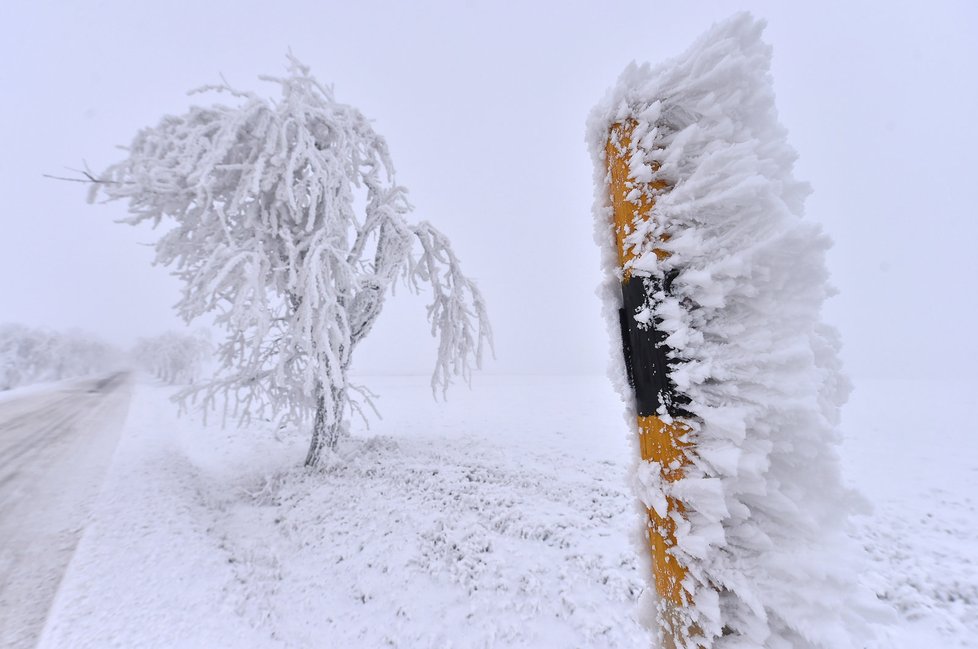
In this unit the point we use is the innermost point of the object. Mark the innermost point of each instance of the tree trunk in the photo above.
(325, 433)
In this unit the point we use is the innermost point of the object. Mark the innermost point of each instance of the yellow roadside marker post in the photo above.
(661, 431)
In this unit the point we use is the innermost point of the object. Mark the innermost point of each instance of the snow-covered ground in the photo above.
(912, 449)
(501, 518)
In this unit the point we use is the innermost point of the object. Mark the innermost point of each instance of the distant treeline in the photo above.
(173, 357)
(34, 355)
(31, 355)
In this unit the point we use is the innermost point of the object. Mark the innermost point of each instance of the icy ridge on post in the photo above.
(764, 541)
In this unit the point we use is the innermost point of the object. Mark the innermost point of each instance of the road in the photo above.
(55, 447)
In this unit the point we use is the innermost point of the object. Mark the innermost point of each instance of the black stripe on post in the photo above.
(646, 353)
(626, 345)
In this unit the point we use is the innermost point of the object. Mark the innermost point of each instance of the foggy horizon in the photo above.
(483, 108)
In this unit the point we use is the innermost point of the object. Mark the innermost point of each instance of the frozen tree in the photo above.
(288, 225)
(23, 355)
(29, 355)
(76, 353)
(173, 357)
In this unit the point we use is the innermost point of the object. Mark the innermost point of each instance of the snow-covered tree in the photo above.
(287, 224)
(23, 355)
(173, 357)
(75, 353)
(30, 355)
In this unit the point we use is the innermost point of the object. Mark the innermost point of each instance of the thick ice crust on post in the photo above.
(764, 538)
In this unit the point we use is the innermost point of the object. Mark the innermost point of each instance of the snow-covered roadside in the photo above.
(499, 518)
(56, 444)
(44, 387)
(145, 567)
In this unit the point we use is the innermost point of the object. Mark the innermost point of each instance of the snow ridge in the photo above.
(769, 562)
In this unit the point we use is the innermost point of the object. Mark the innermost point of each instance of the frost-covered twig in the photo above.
(457, 312)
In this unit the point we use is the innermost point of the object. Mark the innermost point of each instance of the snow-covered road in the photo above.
(55, 445)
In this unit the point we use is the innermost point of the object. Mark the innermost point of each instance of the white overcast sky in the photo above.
(483, 106)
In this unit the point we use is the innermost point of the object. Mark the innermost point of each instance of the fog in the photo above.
(483, 105)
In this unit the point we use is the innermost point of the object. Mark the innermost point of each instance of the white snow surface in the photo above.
(764, 539)
(502, 518)
(472, 525)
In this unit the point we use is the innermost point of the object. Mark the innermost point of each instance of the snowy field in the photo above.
(912, 449)
(501, 518)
